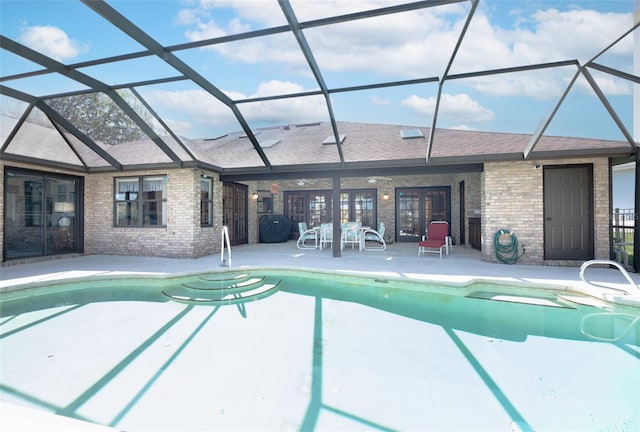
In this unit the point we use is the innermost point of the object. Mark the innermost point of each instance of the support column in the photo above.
(335, 212)
(636, 218)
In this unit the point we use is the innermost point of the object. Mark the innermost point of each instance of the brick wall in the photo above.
(182, 237)
(513, 199)
(386, 208)
(2, 212)
(509, 195)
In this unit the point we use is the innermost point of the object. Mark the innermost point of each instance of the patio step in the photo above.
(233, 290)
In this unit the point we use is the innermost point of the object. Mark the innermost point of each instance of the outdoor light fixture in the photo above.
(255, 195)
(64, 208)
(385, 196)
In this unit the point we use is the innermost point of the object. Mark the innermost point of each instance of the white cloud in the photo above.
(208, 22)
(51, 41)
(393, 44)
(419, 43)
(204, 112)
(571, 34)
(543, 36)
(611, 86)
(459, 107)
(180, 128)
(265, 13)
(462, 127)
(539, 84)
(274, 87)
(274, 112)
(197, 106)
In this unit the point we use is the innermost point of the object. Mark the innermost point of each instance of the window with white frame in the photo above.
(206, 201)
(141, 201)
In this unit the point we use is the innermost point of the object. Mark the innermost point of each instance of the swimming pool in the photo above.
(285, 350)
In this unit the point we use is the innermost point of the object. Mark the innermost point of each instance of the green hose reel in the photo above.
(506, 251)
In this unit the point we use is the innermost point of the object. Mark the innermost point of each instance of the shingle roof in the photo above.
(301, 146)
(383, 143)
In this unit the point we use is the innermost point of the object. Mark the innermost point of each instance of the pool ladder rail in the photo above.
(628, 296)
(225, 244)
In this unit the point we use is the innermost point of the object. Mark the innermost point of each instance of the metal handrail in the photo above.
(224, 241)
(635, 290)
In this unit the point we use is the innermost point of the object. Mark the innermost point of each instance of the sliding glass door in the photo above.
(41, 214)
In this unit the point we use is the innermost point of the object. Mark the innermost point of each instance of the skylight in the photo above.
(256, 133)
(411, 133)
(269, 143)
(215, 138)
(332, 139)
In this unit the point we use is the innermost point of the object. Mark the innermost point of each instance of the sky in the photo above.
(395, 47)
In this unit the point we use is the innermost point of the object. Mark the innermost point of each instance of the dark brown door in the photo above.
(417, 207)
(568, 212)
(234, 212)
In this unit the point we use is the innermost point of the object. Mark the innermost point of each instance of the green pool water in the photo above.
(283, 350)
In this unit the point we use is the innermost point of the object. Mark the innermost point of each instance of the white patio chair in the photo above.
(326, 235)
(351, 235)
(377, 236)
(305, 236)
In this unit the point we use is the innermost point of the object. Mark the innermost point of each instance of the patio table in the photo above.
(323, 231)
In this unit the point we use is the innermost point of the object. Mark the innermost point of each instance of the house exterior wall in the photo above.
(182, 237)
(507, 194)
(513, 198)
(386, 208)
(2, 213)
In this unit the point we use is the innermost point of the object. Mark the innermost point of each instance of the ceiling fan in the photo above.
(375, 179)
(302, 182)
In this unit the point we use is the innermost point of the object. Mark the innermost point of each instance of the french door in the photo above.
(417, 207)
(312, 207)
(315, 207)
(235, 211)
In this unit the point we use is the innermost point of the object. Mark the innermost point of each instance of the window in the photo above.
(265, 201)
(141, 201)
(206, 201)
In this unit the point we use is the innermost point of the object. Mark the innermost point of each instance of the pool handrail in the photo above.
(225, 244)
(635, 289)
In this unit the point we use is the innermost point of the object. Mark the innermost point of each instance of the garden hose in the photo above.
(506, 253)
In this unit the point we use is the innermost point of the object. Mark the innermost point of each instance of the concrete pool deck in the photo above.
(462, 265)
(399, 260)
